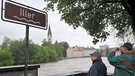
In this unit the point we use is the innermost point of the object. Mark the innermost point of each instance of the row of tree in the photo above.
(12, 52)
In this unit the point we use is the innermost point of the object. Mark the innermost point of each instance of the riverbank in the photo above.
(69, 65)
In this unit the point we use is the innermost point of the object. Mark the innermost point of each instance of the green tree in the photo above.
(12, 52)
(45, 54)
(48, 44)
(97, 15)
(52, 55)
(17, 47)
(65, 46)
(52, 50)
(34, 52)
(6, 58)
(5, 43)
(59, 50)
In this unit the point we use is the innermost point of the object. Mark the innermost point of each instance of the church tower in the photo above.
(49, 35)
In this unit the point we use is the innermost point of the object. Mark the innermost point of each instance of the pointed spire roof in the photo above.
(49, 31)
(56, 43)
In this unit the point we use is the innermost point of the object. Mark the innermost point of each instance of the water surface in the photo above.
(69, 65)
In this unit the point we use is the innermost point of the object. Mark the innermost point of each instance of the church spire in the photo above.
(49, 35)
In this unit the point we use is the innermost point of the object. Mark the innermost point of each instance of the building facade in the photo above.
(75, 52)
(79, 51)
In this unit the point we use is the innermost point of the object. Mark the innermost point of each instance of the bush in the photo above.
(6, 58)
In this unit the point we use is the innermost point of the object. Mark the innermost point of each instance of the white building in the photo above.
(75, 52)
(79, 51)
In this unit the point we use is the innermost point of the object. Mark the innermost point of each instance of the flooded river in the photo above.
(69, 65)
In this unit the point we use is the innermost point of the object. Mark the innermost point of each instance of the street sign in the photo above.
(21, 14)
(25, 15)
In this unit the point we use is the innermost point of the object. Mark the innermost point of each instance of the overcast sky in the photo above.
(60, 30)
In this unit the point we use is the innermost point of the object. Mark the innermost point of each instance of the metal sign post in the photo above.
(26, 51)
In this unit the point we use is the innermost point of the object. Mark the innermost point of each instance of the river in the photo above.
(69, 65)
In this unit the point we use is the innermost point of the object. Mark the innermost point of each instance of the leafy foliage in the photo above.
(34, 53)
(6, 58)
(96, 15)
(65, 46)
(45, 54)
(17, 47)
(59, 50)
(12, 52)
(6, 43)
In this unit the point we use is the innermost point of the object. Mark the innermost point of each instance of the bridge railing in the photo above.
(19, 70)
